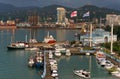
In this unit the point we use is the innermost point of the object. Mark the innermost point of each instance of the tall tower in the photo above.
(61, 15)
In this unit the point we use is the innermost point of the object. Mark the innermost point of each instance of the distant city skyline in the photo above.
(69, 3)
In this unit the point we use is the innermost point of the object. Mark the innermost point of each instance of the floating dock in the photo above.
(48, 70)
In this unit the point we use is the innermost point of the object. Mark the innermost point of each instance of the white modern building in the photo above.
(61, 16)
(98, 36)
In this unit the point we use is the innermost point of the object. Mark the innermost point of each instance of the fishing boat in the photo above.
(49, 39)
(82, 73)
(17, 45)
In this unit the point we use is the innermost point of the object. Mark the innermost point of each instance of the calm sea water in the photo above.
(13, 64)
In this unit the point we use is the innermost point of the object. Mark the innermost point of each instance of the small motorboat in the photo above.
(31, 62)
(32, 49)
(108, 65)
(54, 73)
(68, 53)
(82, 73)
(50, 54)
(57, 53)
(116, 73)
(100, 56)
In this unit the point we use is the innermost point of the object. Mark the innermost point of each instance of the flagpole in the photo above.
(90, 34)
(111, 48)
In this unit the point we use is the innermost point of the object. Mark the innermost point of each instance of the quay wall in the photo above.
(8, 27)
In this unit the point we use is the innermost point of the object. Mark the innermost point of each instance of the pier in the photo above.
(48, 71)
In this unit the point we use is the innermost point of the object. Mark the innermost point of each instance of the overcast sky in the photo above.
(70, 3)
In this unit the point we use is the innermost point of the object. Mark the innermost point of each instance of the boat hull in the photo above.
(15, 48)
(80, 74)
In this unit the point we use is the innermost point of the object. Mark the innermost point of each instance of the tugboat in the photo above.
(49, 39)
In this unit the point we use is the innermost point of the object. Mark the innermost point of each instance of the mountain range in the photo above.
(8, 11)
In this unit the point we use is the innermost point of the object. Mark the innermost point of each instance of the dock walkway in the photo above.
(48, 71)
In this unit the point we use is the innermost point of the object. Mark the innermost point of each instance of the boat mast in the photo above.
(48, 34)
(100, 22)
(90, 40)
(26, 38)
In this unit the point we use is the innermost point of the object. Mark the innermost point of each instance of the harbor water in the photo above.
(13, 64)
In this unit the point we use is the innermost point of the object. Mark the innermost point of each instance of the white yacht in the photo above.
(32, 49)
(54, 73)
(50, 54)
(82, 73)
(57, 53)
(109, 65)
(60, 48)
(31, 62)
(68, 53)
(100, 56)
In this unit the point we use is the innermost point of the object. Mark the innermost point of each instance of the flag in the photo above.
(86, 14)
(74, 14)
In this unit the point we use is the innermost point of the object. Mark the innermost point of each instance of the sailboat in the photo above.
(17, 45)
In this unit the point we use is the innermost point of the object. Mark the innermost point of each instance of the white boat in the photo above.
(87, 53)
(54, 73)
(116, 73)
(17, 45)
(109, 65)
(32, 49)
(82, 73)
(57, 53)
(49, 39)
(100, 56)
(68, 53)
(54, 67)
(103, 62)
(33, 41)
(60, 48)
(50, 54)
(31, 62)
